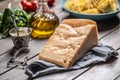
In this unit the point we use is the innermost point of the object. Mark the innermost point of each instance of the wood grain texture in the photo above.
(5, 45)
(106, 26)
(108, 33)
(117, 78)
(107, 71)
(35, 47)
(58, 76)
(113, 39)
(16, 74)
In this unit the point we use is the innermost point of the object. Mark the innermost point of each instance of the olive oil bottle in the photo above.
(43, 21)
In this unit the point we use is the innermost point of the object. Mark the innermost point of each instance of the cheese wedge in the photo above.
(70, 41)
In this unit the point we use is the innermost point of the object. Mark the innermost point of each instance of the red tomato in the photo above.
(50, 2)
(29, 5)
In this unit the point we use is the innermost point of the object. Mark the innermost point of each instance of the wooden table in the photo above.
(109, 34)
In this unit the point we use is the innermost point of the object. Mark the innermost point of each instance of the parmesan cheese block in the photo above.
(70, 41)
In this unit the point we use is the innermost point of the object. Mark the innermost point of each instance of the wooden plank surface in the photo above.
(113, 40)
(107, 71)
(4, 58)
(106, 26)
(118, 78)
(9, 43)
(66, 75)
(104, 35)
(59, 76)
(35, 47)
(5, 45)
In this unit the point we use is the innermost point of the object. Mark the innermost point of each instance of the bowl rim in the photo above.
(21, 28)
(63, 5)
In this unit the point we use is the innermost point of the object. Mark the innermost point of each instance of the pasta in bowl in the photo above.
(92, 9)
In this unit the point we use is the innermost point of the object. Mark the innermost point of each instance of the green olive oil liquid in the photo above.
(43, 25)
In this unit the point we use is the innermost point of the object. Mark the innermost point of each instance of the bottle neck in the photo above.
(43, 6)
(43, 1)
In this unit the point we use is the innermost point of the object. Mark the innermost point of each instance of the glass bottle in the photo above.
(43, 21)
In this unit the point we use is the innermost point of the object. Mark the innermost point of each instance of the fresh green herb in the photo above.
(21, 19)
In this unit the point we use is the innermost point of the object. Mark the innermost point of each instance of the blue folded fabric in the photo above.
(98, 54)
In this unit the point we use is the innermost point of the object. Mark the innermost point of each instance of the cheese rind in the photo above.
(68, 43)
(78, 22)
